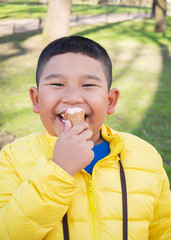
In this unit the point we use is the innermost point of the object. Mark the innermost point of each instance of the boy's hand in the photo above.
(73, 149)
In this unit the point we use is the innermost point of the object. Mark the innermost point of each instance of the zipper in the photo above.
(91, 198)
(93, 210)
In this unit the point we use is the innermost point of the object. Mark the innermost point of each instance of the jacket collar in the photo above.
(113, 138)
(51, 140)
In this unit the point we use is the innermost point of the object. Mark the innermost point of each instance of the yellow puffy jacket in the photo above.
(35, 193)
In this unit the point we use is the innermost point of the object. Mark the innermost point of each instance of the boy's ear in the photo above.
(34, 98)
(112, 100)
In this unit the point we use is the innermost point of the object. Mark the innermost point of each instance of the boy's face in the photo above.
(73, 80)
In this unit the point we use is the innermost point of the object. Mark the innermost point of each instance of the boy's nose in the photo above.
(72, 97)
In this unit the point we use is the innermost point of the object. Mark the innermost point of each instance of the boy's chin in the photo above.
(55, 133)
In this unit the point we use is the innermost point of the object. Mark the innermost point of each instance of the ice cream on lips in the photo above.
(74, 115)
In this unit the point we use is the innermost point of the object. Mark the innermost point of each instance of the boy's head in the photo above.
(75, 44)
(74, 72)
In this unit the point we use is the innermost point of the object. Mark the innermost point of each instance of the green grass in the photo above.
(96, 9)
(22, 10)
(142, 70)
(168, 171)
(33, 10)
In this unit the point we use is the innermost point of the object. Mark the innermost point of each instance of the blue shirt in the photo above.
(100, 151)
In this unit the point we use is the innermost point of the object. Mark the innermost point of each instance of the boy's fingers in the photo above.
(87, 134)
(80, 127)
(90, 144)
(76, 130)
(68, 126)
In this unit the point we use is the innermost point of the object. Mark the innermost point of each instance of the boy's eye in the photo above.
(57, 84)
(88, 85)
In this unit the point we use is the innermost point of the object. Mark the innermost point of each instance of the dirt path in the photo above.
(11, 26)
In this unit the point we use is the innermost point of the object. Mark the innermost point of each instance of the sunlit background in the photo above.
(141, 66)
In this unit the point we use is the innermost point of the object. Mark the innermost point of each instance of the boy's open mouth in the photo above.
(61, 116)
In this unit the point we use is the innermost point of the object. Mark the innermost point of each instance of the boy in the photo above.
(112, 185)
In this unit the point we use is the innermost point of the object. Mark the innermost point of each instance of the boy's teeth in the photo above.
(62, 117)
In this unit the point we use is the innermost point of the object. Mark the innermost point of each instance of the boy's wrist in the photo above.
(62, 166)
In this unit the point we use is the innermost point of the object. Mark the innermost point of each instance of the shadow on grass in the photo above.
(158, 115)
(23, 2)
(132, 31)
(149, 130)
(24, 9)
(16, 39)
(7, 137)
(106, 9)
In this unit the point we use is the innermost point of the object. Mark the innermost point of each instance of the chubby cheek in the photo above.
(46, 110)
(100, 104)
(57, 130)
(47, 101)
(99, 110)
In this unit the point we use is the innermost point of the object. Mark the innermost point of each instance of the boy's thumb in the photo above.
(68, 125)
(66, 128)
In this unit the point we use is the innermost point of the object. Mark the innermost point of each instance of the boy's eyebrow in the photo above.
(50, 76)
(89, 76)
(86, 76)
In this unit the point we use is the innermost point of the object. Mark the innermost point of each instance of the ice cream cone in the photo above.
(74, 115)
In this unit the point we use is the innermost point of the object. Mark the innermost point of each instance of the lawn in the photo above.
(33, 10)
(142, 70)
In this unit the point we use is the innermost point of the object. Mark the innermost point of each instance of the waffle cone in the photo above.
(75, 118)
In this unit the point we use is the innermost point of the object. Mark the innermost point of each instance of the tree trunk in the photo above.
(43, 1)
(94, 1)
(160, 16)
(153, 8)
(103, 2)
(57, 21)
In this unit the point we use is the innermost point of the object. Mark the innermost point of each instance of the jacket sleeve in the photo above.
(30, 209)
(160, 228)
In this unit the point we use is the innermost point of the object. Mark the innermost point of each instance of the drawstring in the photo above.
(124, 208)
(124, 202)
(65, 227)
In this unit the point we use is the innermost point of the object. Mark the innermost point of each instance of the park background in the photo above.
(141, 65)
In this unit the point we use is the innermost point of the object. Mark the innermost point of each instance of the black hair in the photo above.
(75, 44)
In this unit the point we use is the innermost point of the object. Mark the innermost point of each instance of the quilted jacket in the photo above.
(35, 193)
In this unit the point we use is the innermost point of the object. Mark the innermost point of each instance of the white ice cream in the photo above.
(74, 110)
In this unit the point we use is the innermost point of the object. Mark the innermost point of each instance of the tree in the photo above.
(154, 3)
(57, 21)
(160, 16)
(103, 1)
